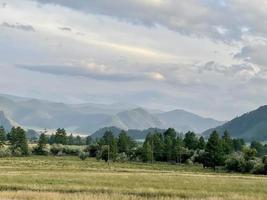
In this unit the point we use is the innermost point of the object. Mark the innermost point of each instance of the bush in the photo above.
(56, 149)
(122, 157)
(5, 152)
(17, 152)
(38, 151)
(92, 150)
(71, 150)
(235, 163)
(83, 155)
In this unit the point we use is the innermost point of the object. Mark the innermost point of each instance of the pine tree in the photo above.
(214, 150)
(227, 143)
(2, 136)
(89, 140)
(191, 141)
(201, 143)
(61, 136)
(18, 141)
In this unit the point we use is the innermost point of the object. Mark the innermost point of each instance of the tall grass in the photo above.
(71, 178)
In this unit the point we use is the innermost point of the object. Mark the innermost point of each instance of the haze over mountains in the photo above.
(88, 118)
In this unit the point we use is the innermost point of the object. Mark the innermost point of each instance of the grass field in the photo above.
(68, 178)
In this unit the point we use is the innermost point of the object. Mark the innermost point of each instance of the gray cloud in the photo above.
(65, 29)
(254, 53)
(217, 19)
(19, 26)
(230, 70)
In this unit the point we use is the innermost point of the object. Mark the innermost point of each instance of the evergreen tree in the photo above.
(147, 152)
(158, 146)
(71, 139)
(179, 148)
(2, 136)
(78, 140)
(238, 144)
(42, 142)
(169, 144)
(227, 143)
(214, 151)
(18, 141)
(191, 141)
(61, 136)
(259, 148)
(201, 143)
(110, 141)
(88, 140)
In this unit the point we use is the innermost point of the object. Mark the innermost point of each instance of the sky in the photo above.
(204, 56)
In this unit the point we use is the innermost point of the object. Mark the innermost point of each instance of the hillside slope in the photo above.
(250, 126)
(184, 121)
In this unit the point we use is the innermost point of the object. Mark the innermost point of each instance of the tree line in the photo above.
(214, 152)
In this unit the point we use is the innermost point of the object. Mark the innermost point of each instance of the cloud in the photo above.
(18, 26)
(254, 53)
(220, 20)
(94, 71)
(65, 29)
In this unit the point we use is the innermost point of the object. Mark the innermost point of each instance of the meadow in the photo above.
(64, 178)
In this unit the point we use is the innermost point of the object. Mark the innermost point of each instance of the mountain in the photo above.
(6, 122)
(133, 133)
(87, 118)
(185, 121)
(139, 119)
(250, 126)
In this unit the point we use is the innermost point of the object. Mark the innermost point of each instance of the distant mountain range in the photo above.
(250, 126)
(88, 118)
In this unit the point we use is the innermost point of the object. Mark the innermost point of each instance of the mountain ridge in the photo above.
(250, 126)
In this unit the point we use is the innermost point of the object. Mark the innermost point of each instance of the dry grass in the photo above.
(69, 178)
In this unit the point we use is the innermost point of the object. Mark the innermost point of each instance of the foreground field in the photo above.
(64, 178)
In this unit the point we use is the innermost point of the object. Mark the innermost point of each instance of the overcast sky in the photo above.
(204, 56)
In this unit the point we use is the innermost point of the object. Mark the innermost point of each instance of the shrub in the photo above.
(70, 150)
(122, 157)
(92, 150)
(38, 151)
(235, 163)
(56, 149)
(83, 155)
(5, 152)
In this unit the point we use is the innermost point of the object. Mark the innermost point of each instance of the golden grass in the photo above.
(70, 178)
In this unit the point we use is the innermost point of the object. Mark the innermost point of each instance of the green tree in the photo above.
(147, 152)
(71, 139)
(259, 148)
(125, 143)
(191, 141)
(61, 136)
(2, 136)
(238, 144)
(89, 140)
(18, 141)
(214, 151)
(109, 140)
(42, 142)
(227, 143)
(201, 143)
(169, 144)
(179, 148)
